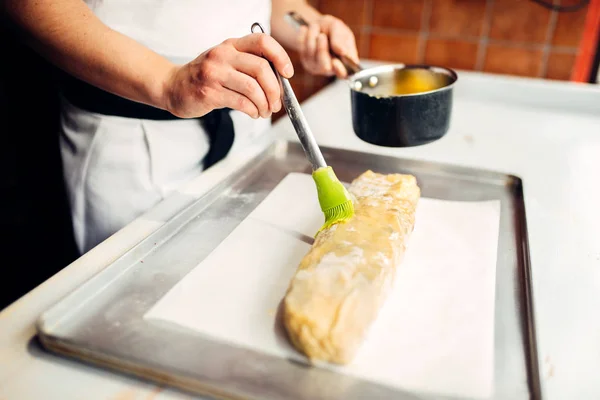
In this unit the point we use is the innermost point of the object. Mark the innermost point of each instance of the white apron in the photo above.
(117, 168)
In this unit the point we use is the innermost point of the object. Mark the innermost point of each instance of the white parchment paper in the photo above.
(434, 334)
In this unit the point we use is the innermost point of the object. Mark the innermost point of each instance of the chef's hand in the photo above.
(233, 74)
(315, 42)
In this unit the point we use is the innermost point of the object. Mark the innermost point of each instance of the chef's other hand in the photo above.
(315, 42)
(232, 75)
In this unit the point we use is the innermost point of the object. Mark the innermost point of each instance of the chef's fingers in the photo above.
(263, 45)
(311, 42)
(260, 71)
(323, 56)
(338, 68)
(301, 40)
(236, 101)
(248, 86)
(307, 55)
(342, 40)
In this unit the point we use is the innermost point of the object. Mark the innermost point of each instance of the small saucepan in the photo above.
(397, 105)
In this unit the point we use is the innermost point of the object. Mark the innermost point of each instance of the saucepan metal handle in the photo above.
(295, 20)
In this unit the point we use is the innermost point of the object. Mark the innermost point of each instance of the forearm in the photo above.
(282, 31)
(69, 35)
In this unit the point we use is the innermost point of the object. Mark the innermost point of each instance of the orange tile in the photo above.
(395, 47)
(318, 82)
(301, 90)
(295, 57)
(362, 41)
(457, 17)
(404, 14)
(451, 53)
(519, 21)
(299, 71)
(352, 12)
(569, 28)
(309, 91)
(560, 66)
(512, 61)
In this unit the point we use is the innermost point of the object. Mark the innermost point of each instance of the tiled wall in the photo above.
(515, 37)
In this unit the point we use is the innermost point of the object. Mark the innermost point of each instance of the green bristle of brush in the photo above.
(337, 214)
(333, 197)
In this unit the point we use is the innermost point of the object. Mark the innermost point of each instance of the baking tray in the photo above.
(101, 322)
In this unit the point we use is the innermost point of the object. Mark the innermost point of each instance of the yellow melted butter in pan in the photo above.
(408, 81)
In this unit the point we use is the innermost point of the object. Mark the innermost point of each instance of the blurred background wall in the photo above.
(516, 37)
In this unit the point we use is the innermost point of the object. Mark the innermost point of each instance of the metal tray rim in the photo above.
(56, 343)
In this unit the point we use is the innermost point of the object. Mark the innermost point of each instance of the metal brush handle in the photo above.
(292, 107)
(295, 20)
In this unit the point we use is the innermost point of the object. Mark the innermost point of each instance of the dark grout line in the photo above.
(484, 39)
(424, 31)
(564, 50)
(520, 45)
(394, 31)
(367, 28)
(548, 41)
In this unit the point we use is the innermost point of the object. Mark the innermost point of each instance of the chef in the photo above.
(155, 91)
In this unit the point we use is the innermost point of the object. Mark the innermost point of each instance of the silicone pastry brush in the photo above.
(334, 199)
